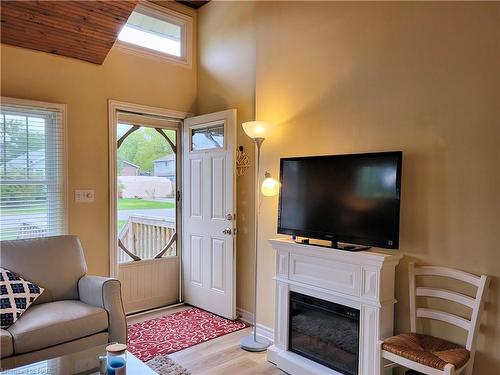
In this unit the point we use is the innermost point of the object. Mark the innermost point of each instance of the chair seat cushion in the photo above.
(54, 323)
(427, 350)
(6, 344)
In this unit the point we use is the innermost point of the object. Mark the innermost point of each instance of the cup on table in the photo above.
(117, 359)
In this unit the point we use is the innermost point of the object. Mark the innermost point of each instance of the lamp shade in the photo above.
(270, 187)
(258, 129)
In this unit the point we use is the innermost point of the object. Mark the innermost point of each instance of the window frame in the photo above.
(171, 16)
(62, 108)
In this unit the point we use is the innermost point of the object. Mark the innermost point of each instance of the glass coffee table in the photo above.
(83, 363)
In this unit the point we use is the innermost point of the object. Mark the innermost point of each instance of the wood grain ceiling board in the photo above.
(84, 30)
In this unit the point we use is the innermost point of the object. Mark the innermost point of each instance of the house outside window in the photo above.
(32, 169)
(165, 167)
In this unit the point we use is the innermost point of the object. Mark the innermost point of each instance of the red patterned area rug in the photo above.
(178, 331)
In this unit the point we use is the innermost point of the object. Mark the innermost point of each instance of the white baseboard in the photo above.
(262, 330)
(135, 314)
(244, 315)
(266, 332)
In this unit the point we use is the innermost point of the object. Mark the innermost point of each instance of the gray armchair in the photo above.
(75, 312)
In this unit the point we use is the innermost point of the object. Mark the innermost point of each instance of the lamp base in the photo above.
(249, 344)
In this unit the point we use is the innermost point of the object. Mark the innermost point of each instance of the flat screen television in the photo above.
(352, 198)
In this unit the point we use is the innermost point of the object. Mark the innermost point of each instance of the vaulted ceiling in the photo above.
(84, 30)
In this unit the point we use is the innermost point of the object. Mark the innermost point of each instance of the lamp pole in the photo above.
(257, 130)
(251, 343)
(258, 144)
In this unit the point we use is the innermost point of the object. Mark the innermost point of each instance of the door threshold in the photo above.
(157, 309)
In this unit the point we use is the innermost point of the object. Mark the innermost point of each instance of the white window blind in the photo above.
(32, 175)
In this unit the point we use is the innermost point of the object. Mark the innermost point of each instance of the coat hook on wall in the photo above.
(242, 161)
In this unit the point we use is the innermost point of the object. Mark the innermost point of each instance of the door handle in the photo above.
(227, 231)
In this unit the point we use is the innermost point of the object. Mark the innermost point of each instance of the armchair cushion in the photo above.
(54, 323)
(55, 263)
(16, 295)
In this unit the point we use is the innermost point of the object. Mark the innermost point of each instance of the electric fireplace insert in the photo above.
(324, 332)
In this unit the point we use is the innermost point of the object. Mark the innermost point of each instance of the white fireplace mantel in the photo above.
(363, 280)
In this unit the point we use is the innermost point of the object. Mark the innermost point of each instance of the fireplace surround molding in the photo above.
(362, 280)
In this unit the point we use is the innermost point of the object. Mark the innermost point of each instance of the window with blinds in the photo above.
(32, 169)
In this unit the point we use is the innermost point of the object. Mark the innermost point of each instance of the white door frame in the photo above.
(113, 107)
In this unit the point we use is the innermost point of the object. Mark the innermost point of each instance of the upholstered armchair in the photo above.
(75, 311)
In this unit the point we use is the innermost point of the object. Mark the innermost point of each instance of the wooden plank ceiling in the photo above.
(84, 30)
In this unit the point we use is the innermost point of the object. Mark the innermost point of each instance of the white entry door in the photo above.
(208, 211)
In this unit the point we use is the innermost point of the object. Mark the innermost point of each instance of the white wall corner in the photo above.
(262, 330)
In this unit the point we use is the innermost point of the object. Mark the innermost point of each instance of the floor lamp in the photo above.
(258, 131)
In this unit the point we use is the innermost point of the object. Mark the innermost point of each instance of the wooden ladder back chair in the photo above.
(428, 354)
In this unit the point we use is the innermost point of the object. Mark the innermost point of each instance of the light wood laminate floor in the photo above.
(221, 356)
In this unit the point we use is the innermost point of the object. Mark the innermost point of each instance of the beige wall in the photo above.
(421, 78)
(355, 77)
(85, 88)
(226, 79)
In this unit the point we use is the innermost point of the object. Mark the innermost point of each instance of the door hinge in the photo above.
(178, 195)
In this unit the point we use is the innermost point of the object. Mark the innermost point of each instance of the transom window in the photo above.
(159, 31)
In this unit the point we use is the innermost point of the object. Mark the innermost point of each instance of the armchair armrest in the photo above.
(105, 292)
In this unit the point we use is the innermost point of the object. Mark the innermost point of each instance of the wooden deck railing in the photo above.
(145, 236)
(28, 230)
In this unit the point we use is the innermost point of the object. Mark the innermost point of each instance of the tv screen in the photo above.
(345, 198)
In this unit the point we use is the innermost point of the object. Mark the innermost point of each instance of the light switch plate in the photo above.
(84, 196)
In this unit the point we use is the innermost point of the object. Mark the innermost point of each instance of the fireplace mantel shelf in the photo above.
(376, 257)
(362, 280)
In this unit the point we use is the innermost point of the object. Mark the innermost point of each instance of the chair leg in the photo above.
(468, 369)
(379, 361)
(449, 369)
